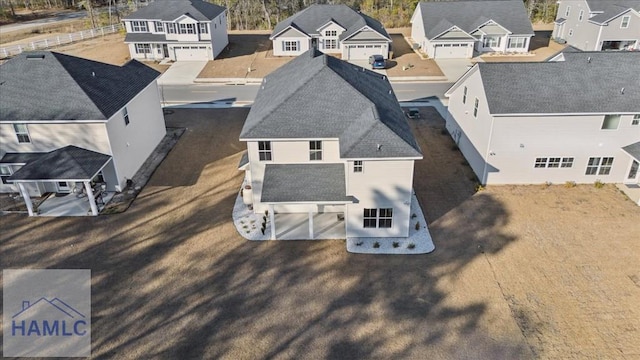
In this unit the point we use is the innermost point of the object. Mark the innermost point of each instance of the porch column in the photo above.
(311, 225)
(272, 219)
(92, 199)
(27, 198)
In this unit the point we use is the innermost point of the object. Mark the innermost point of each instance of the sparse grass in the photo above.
(570, 184)
(546, 184)
(598, 184)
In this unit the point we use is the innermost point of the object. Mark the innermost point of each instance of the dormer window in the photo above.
(331, 33)
(158, 26)
(171, 28)
(204, 29)
(139, 26)
(187, 28)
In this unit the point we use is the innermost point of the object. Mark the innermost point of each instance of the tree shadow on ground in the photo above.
(245, 44)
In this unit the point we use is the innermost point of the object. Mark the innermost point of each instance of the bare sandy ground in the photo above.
(519, 272)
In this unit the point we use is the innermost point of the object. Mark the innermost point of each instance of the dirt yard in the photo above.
(519, 272)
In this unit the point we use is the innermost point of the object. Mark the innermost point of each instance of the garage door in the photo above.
(191, 53)
(362, 52)
(451, 51)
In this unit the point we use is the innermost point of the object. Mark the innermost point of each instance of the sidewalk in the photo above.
(182, 72)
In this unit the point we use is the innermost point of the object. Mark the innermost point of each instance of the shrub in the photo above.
(598, 184)
(418, 226)
(413, 216)
(396, 244)
(376, 244)
(359, 243)
(411, 246)
(479, 187)
(570, 184)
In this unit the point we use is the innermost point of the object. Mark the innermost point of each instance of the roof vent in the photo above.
(384, 77)
(589, 59)
(389, 91)
(379, 147)
(93, 74)
(622, 91)
(35, 57)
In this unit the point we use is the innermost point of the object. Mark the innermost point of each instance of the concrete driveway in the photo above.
(365, 64)
(182, 72)
(453, 69)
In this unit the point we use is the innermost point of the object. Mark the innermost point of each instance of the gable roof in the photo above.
(585, 82)
(316, 96)
(610, 9)
(315, 16)
(304, 183)
(468, 15)
(46, 85)
(169, 10)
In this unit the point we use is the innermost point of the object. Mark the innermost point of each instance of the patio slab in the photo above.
(69, 205)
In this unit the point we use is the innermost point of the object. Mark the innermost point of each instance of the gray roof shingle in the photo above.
(304, 183)
(585, 82)
(169, 10)
(633, 150)
(610, 9)
(315, 16)
(46, 85)
(323, 97)
(67, 163)
(20, 158)
(468, 15)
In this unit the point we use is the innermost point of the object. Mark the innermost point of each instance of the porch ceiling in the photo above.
(287, 183)
(69, 163)
(633, 150)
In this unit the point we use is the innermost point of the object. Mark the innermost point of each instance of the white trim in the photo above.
(492, 22)
(272, 37)
(361, 29)
(319, 30)
(449, 29)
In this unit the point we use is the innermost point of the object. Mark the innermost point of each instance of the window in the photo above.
(370, 217)
(143, 48)
(386, 215)
(636, 119)
(331, 33)
(554, 162)
(357, 166)
(611, 122)
(139, 26)
(125, 115)
(570, 32)
(567, 162)
(633, 171)
(264, 150)
(186, 28)
(567, 11)
(464, 95)
(158, 26)
(22, 132)
(491, 41)
(625, 22)
(600, 166)
(475, 108)
(204, 29)
(5, 172)
(517, 43)
(330, 44)
(289, 46)
(171, 28)
(315, 150)
(580, 15)
(540, 163)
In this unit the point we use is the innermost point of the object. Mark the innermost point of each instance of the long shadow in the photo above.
(540, 39)
(244, 44)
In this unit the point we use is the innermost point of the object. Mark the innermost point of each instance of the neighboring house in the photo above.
(599, 24)
(332, 29)
(67, 121)
(178, 30)
(328, 137)
(577, 119)
(454, 29)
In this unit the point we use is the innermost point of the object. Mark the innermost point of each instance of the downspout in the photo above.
(486, 155)
(598, 39)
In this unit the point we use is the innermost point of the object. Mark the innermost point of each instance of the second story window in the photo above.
(464, 95)
(139, 26)
(264, 150)
(171, 28)
(357, 166)
(567, 11)
(611, 122)
(187, 28)
(580, 15)
(22, 132)
(636, 119)
(475, 108)
(625, 22)
(125, 115)
(204, 28)
(158, 26)
(331, 33)
(315, 150)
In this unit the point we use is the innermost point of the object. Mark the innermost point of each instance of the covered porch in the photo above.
(631, 183)
(61, 168)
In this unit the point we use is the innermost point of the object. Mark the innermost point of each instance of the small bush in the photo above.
(376, 244)
(598, 184)
(418, 225)
(479, 187)
(359, 243)
(413, 216)
(570, 184)
(411, 246)
(396, 244)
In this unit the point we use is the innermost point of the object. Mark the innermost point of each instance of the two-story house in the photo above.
(576, 119)
(178, 30)
(332, 29)
(328, 137)
(454, 29)
(599, 24)
(66, 122)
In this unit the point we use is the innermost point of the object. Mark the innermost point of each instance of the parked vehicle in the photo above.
(413, 113)
(377, 62)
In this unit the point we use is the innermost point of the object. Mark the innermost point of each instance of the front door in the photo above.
(63, 187)
(165, 50)
(632, 175)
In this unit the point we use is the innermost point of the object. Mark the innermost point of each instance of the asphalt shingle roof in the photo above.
(304, 183)
(468, 15)
(20, 158)
(633, 150)
(326, 98)
(169, 10)
(46, 85)
(610, 9)
(315, 16)
(67, 163)
(146, 37)
(586, 82)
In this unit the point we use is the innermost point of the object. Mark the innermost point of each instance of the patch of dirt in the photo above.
(406, 62)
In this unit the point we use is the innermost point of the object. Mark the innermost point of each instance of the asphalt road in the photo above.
(66, 16)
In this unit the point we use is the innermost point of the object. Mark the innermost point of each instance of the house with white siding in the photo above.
(326, 137)
(576, 119)
(332, 29)
(67, 123)
(179, 30)
(598, 25)
(455, 29)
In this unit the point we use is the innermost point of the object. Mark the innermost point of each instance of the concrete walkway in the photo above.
(182, 72)
(453, 69)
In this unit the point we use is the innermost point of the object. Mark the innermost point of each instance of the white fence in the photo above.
(58, 40)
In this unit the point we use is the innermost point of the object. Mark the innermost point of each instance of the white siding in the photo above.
(218, 31)
(417, 29)
(304, 43)
(50, 136)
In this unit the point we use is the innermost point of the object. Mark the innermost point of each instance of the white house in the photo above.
(577, 119)
(599, 24)
(66, 122)
(454, 29)
(178, 30)
(328, 137)
(332, 29)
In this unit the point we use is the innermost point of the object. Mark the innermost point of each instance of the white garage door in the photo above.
(362, 52)
(451, 51)
(191, 53)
